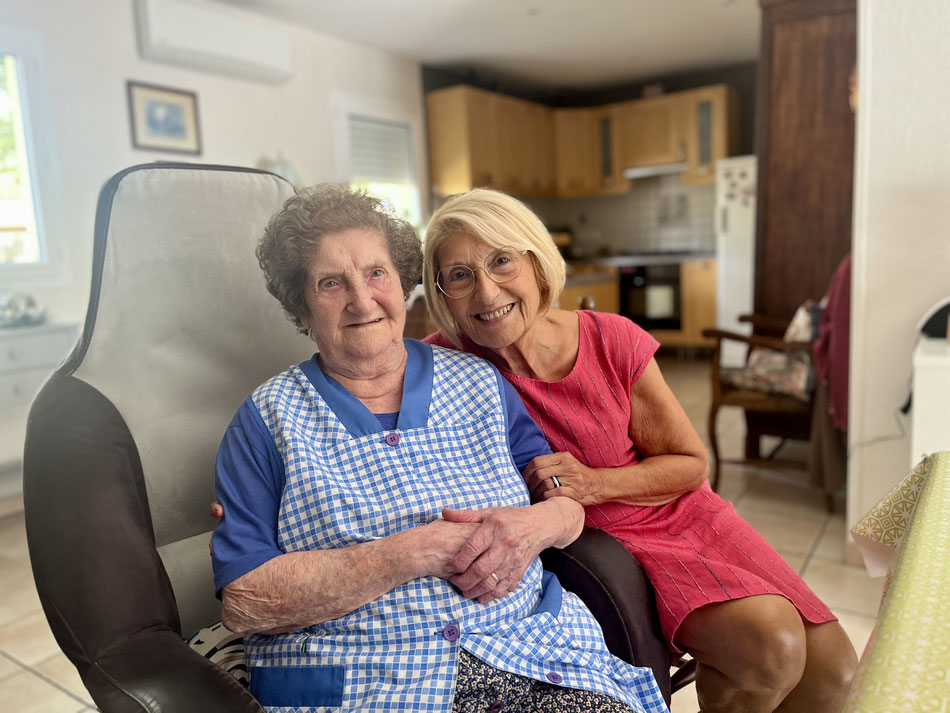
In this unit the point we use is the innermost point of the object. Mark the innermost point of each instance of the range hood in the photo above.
(664, 169)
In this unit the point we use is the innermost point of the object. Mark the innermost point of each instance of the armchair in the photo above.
(121, 442)
(769, 408)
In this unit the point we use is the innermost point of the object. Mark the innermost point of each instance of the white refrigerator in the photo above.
(735, 250)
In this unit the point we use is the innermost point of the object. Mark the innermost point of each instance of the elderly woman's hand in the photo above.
(561, 474)
(438, 545)
(493, 561)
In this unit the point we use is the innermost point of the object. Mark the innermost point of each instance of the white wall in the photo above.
(901, 258)
(90, 51)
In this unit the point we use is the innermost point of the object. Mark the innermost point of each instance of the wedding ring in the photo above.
(495, 577)
(557, 483)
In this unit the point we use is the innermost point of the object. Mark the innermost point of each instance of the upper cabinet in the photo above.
(708, 119)
(479, 138)
(696, 127)
(650, 132)
(585, 151)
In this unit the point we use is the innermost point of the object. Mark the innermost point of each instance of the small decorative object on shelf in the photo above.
(18, 309)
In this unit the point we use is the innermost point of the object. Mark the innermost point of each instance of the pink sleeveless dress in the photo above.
(695, 550)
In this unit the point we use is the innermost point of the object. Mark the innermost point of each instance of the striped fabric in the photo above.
(344, 486)
(695, 550)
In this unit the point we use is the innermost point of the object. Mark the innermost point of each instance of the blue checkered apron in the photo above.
(399, 653)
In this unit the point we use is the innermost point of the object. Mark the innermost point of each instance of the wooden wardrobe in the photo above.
(805, 145)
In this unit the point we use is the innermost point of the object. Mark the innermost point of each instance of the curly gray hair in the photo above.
(293, 234)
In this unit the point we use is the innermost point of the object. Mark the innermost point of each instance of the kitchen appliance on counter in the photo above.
(650, 295)
(735, 250)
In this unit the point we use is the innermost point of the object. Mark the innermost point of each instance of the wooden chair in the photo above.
(766, 413)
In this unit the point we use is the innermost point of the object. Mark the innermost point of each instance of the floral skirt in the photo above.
(480, 688)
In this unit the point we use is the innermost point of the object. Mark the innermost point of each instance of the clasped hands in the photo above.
(485, 553)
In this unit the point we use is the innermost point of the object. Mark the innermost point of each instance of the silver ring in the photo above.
(557, 483)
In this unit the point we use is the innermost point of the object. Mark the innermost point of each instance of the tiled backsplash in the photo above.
(657, 214)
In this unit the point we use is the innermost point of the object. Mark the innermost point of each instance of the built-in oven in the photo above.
(650, 295)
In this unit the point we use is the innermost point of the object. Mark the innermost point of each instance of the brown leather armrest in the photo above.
(157, 671)
(607, 578)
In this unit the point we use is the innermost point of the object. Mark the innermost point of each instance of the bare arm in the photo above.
(299, 589)
(674, 456)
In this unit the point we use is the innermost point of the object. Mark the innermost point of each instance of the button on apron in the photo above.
(451, 632)
(554, 677)
(393, 439)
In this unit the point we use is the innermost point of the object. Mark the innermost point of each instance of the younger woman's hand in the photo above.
(561, 474)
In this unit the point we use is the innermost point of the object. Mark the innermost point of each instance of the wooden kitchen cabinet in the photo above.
(697, 306)
(650, 132)
(605, 295)
(575, 142)
(479, 138)
(586, 152)
(708, 118)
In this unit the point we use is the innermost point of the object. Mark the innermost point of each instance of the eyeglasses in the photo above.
(457, 281)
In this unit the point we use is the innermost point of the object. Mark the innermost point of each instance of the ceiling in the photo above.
(548, 43)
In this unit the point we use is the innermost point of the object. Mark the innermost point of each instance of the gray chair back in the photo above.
(119, 460)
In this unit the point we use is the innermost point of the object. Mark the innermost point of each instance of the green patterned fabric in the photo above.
(906, 665)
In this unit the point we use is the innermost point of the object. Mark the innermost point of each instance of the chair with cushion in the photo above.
(773, 388)
(121, 442)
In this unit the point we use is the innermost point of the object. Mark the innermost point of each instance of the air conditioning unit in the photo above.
(211, 39)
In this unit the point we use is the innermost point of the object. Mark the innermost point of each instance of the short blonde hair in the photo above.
(501, 221)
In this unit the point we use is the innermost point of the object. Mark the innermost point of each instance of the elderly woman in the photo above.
(380, 550)
(628, 453)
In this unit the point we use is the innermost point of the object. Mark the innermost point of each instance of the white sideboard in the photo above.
(930, 429)
(28, 355)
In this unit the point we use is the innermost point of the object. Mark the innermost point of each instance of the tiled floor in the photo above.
(36, 678)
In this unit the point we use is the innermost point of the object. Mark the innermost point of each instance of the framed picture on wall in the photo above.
(163, 119)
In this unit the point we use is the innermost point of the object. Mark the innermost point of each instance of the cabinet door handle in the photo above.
(724, 219)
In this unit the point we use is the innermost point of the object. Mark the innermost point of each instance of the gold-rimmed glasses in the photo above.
(457, 281)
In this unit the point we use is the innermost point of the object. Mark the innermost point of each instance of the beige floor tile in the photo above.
(61, 671)
(796, 560)
(774, 493)
(843, 587)
(8, 667)
(857, 627)
(28, 640)
(786, 533)
(831, 546)
(13, 539)
(11, 504)
(684, 700)
(19, 597)
(28, 693)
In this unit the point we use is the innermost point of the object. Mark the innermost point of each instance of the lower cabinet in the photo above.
(28, 355)
(600, 296)
(697, 306)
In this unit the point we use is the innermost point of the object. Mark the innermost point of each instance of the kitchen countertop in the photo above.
(644, 259)
(587, 278)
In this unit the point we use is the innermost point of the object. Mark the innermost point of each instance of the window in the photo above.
(379, 152)
(381, 162)
(30, 254)
(19, 239)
